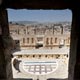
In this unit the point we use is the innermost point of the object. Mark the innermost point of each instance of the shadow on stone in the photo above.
(23, 79)
(57, 79)
(32, 79)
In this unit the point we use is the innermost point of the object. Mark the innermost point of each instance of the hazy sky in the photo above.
(40, 15)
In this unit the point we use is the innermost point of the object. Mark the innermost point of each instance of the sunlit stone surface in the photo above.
(41, 51)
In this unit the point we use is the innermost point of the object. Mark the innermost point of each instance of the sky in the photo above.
(40, 15)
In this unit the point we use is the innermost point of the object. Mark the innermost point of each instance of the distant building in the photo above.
(41, 36)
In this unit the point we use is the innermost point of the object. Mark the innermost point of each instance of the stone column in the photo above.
(53, 29)
(61, 26)
(5, 47)
(74, 61)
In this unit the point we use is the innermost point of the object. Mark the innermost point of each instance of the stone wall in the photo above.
(5, 47)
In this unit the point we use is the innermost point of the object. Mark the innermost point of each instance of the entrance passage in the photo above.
(38, 45)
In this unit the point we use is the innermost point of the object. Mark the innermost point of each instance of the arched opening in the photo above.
(44, 37)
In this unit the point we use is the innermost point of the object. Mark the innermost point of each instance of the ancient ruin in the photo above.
(6, 41)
